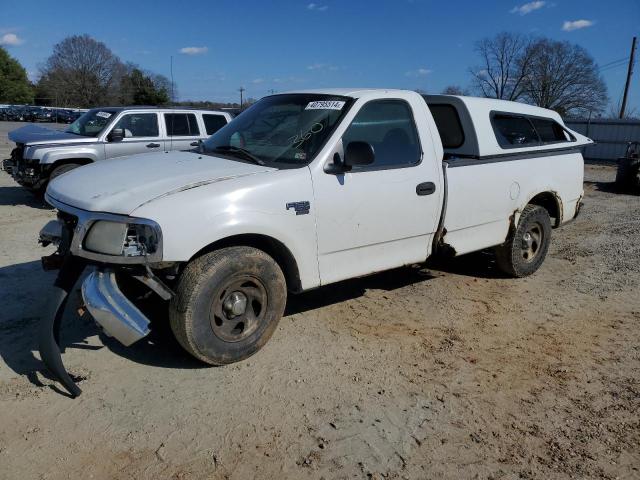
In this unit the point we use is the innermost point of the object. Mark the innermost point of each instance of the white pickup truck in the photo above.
(302, 190)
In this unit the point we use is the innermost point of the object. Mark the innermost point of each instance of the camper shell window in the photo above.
(514, 130)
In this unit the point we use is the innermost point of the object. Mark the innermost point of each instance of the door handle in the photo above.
(194, 144)
(426, 188)
(153, 145)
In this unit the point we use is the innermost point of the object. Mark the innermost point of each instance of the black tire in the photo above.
(628, 174)
(526, 248)
(60, 169)
(199, 315)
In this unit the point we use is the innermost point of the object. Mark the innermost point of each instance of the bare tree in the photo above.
(564, 77)
(506, 59)
(454, 90)
(614, 111)
(81, 71)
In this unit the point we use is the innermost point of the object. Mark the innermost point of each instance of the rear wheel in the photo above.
(228, 304)
(525, 250)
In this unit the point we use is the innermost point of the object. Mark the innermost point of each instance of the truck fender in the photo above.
(548, 199)
(86, 155)
(300, 274)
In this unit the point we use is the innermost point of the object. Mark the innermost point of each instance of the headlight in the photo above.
(122, 239)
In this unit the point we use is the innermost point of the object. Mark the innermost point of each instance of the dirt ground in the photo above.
(445, 371)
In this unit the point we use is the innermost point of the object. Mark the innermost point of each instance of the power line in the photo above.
(624, 59)
(611, 67)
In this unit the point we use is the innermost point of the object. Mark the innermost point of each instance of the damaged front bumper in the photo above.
(28, 173)
(109, 306)
(114, 312)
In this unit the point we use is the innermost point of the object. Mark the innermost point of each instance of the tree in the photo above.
(506, 60)
(143, 88)
(14, 84)
(630, 113)
(82, 72)
(454, 90)
(564, 77)
(547, 73)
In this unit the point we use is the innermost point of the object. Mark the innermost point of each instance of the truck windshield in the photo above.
(281, 130)
(92, 123)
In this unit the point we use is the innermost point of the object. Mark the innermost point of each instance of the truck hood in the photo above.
(121, 185)
(35, 134)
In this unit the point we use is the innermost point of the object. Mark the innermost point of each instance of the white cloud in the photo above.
(576, 25)
(291, 79)
(194, 50)
(420, 72)
(257, 80)
(10, 40)
(317, 7)
(322, 66)
(528, 7)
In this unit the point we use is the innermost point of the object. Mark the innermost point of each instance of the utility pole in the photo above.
(171, 70)
(629, 74)
(241, 90)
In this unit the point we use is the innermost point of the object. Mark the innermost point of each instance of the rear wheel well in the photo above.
(551, 203)
(272, 247)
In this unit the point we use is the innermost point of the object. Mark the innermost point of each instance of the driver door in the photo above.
(374, 218)
(142, 135)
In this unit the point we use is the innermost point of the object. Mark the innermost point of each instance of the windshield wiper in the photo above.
(245, 153)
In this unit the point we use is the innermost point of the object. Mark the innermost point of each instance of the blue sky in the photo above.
(218, 46)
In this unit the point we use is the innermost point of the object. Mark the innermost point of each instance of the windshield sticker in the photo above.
(325, 105)
(300, 156)
(103, 114)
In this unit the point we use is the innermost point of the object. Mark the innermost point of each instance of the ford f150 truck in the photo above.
(302, 190)
(42, 154)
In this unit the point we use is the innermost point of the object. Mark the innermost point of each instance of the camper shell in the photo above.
(513, 129)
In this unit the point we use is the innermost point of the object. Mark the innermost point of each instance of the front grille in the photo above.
(16, 153)
(69, 223)
(69, 220)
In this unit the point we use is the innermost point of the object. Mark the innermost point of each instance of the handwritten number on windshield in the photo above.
(298, 139)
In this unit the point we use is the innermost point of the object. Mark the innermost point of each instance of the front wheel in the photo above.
(525, 250)
(228, 304)
(60, 169)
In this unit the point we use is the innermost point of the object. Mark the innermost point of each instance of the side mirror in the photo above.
(116, 135)
(358, 154)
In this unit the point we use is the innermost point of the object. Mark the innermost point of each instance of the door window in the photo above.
(389, 127)
(181, 125)
(213, 123)
(139, 125)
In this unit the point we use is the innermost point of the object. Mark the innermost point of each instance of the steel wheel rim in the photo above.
(532, 241)
(229, 320)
